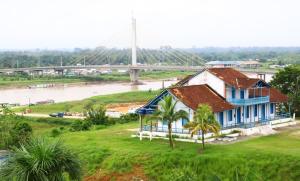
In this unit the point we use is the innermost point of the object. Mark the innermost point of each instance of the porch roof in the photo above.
(194, 95)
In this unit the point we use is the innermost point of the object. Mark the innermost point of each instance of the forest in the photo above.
(165, 55)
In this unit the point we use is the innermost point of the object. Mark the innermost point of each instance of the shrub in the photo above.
(80, 125)
(125, 118)
(97, 116)
(55, 132)
(21, 133)
(235, 131)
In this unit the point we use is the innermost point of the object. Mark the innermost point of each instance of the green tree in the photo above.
(41, 160)
(204, 121)
(167, 112)
(288, 82)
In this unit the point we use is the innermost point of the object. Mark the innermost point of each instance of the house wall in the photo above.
(237, 92)
(178, 124)
(207, 78)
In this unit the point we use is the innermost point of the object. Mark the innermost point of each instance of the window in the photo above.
(255, 110)
(229, 114)
(165, 122)
(242, 94)
(233, 92)
(272, 108)
(184, 122)
(248, 111)
(221, 116)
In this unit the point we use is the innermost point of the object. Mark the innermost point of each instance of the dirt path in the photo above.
(137, 174)
(47, 116)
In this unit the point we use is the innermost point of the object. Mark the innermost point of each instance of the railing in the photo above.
(165, 129)
(260, 122)
(249, 101)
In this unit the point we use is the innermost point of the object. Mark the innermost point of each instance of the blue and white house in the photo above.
(237, 100)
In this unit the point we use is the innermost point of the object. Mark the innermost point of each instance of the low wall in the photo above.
(262, 130)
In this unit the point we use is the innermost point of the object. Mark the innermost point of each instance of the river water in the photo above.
(63, 93)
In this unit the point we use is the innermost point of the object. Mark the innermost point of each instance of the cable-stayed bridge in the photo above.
(176, 59)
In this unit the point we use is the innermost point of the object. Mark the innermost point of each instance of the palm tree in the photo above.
(167, 112)
(40, 160)
(204, 121)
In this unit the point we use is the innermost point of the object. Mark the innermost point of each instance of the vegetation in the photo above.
(97, 115)
(288, 81)
(164, 55)
(21, 133)
(204, 121)
(27, 80)
(41, 160)
(167, 112)
(82, 105)
(111, 151)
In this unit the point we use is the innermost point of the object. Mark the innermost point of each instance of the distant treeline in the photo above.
(164, 55)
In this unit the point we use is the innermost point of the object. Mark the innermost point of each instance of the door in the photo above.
(221, 118)
(263, 112)
(238, 116)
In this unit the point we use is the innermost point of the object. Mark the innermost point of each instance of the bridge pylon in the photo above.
(134, 73)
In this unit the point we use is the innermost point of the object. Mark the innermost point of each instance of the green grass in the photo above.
(78, 106)
(275, 157)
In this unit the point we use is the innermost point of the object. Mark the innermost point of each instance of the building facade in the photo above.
(236, 100)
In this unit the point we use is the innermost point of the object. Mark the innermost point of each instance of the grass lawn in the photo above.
(78, 106)
(112, 150)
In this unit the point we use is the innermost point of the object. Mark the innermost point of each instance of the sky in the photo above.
(66, 24)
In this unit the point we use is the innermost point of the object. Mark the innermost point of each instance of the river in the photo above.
(67, 92)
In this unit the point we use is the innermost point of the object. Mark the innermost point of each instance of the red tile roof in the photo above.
(233, 77)
(194, 95)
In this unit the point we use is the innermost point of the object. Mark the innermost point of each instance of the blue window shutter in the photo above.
(229, 115)
(255, 110)
(184, 121)
(242, 94)
(232, 92)
(272, 108)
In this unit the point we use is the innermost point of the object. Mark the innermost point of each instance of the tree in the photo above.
(204, 121)
(288, 82)
(167, 112)
(41, 160)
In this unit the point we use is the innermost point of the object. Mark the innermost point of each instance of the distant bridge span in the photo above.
(130, 68)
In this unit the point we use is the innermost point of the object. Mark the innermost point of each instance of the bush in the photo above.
(97, 116)
(55, 132)
(81, 125)
(21, 133)
(235, 131)
(125, 118)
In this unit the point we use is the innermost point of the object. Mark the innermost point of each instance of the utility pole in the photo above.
(84, 61)
(61, 61)
(17, 63)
